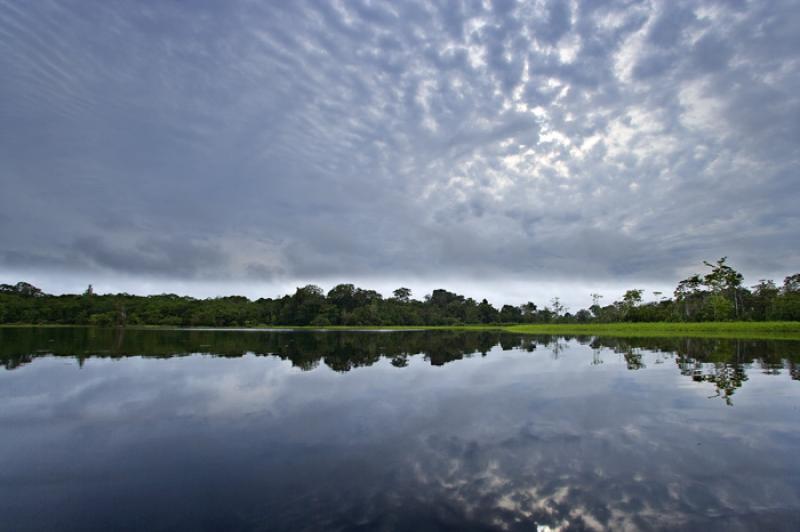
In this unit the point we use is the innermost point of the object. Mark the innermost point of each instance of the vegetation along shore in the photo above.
(715, 302)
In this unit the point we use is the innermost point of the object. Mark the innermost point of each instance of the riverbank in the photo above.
(736, 329)
(789, 330)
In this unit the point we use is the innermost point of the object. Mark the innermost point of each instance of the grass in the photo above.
(727, 329)
(788, 330)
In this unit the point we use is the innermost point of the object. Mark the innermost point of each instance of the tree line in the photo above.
(717, 295)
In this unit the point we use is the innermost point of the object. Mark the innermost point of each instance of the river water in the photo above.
(104, 429)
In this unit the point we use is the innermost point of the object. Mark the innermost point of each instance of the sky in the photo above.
(509, 150)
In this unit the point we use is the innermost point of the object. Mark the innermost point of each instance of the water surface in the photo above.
(209, 430)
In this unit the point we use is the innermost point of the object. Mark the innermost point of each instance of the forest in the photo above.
(718, 294)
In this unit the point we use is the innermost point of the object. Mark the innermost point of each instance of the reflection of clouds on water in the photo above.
(496, 442)
(627, 479)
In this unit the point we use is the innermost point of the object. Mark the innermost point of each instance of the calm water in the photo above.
(227, 430)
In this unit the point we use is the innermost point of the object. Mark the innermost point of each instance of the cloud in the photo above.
(551, 140)
(506, 441)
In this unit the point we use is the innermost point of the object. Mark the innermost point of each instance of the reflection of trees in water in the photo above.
(726, 378)
(557, 347)
(721, 362)
(634, 360)
(555, 344)
(794, 370)
(731, 351)
(341, 351)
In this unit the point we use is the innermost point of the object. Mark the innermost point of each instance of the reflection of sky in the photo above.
(500, 441)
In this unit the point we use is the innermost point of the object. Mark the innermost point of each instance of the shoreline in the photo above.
(778, 330)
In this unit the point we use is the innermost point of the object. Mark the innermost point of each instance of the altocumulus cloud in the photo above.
(273, 143)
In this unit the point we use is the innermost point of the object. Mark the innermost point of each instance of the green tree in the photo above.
(630, 301)
(557, 307)
(402, 294)
(689, 294)
(791, 284)
(510, 314)
(787, 305)
(724, 280)
(528, 312)
(762, 298)
(486, 312)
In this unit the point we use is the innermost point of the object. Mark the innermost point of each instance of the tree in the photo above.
(762, 297)
(688, 292)
(557, 307)
(343, 296)
(787, 305)
(306, 304)
(721, 307)
(486, 312)
(724, 280)
(528, 312)
(630, 300)
(596, 311)
(442, 298)
(366, 297)
(402, 294)
(22, 289)
(791, 284)
(510, 314)
(632, 297)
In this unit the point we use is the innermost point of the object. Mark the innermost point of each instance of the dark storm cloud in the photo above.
(153, 256)
(250, 140)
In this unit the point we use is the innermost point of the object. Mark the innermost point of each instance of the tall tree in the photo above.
(402, 294)
(688, 292)
(724, 280)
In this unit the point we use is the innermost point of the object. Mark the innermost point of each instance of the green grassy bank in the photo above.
(734, 329)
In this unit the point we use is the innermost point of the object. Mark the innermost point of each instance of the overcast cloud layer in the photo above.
(260, 145)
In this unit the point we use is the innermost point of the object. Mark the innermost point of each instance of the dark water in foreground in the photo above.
(212, 430)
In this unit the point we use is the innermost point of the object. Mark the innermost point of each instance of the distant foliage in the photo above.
(717, 295)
